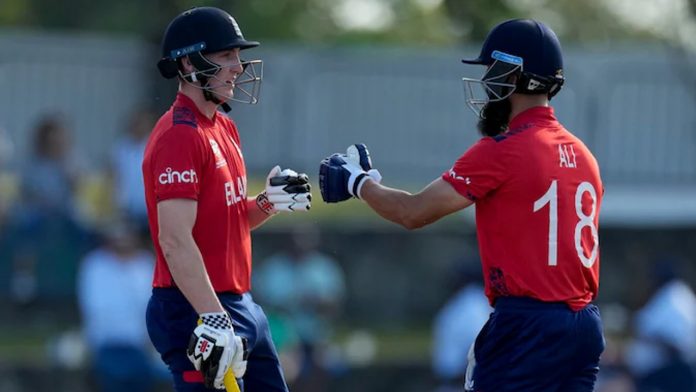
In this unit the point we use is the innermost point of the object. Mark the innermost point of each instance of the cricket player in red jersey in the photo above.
(201, 317)
(538, 193)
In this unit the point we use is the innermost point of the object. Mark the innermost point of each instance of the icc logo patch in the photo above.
(219, 158)
(215, 147)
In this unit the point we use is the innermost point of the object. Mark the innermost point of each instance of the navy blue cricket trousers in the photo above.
(171, 320)
(533, 346)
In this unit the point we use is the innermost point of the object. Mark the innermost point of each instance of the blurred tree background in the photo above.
(402, 22)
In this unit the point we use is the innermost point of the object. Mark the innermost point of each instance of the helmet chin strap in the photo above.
(210, 96)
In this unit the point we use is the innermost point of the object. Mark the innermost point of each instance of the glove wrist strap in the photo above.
(264, 204)
(374, 174)
(358, 183)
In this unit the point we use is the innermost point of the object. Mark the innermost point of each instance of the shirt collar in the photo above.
(536, 114)
(184, 100)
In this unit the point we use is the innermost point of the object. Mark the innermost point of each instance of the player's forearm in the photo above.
(186, 266)
(392, 204)
(257, 217)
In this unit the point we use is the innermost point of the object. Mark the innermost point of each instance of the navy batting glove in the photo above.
(342, 176)
(333, 182)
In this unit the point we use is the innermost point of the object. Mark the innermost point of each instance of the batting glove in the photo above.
(214, 348)
(285, 191)
(342, 176)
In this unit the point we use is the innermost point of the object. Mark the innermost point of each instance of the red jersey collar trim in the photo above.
(533, 115)
(184, 100)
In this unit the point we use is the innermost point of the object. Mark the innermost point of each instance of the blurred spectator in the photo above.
(662, 355)
(456, 326)
(126, 160)
(50, 176)
(307, 287)
(44, 238)
(114, 287)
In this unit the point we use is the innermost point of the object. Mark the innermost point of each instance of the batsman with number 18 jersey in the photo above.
(538, 194)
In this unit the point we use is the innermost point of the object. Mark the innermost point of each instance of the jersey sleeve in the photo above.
(178, 163)
(478, 172)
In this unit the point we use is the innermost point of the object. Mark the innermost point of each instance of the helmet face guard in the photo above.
(247, 86)
(495, 84)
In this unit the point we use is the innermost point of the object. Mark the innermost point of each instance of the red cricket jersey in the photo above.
(190, 156)
(538, 194)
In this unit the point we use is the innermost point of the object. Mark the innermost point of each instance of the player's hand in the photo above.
(214, 348)
(285, 191)
(343, 175)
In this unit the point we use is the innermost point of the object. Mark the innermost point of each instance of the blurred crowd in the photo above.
(655, 348)
(651, 350)
(54, 203)
(66, 232)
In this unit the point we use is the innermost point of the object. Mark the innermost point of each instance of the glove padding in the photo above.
(341, 176)
(285, 191)
(214, 348)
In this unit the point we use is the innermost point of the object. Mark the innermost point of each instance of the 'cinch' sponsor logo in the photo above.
(173, 177)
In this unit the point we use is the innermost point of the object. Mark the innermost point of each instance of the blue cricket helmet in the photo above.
(200, 31)
(532, 41)
(525, 48)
